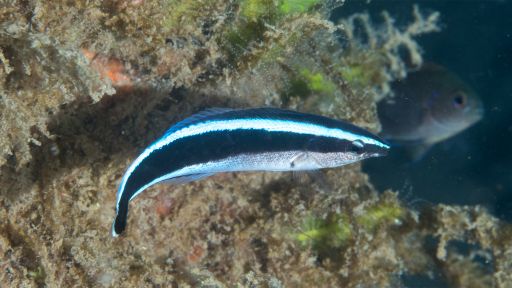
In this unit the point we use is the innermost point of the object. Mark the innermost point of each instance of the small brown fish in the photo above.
(429, 106)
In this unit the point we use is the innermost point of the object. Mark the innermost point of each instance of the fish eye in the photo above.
(459, 100)
(357, 146)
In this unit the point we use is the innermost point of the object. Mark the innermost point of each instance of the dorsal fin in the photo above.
(198, 117)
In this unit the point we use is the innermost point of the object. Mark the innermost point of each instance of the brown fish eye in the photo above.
(459, 100)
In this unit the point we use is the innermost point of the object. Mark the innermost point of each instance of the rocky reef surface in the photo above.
(86, 85)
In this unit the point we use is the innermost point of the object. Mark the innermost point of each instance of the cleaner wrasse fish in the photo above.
(259, 139)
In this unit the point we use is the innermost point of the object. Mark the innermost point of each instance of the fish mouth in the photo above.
(475, 116)
(477, 112)
(377, 151)
(480, 112)
(382, 152)
(375, 154)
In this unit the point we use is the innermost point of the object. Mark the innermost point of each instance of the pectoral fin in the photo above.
(418, 152)
(304, 161)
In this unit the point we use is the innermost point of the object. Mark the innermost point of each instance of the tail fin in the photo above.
(119, 224)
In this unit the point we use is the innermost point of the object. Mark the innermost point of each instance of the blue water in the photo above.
(474, 167)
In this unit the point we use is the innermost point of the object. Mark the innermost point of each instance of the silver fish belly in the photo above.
(227, 140)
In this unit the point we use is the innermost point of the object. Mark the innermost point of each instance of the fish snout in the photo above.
(381, 151)
(474, 115)
(381, 148)
(480, 112)
(477, 112)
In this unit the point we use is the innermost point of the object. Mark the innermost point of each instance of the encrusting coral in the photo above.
(85, 85)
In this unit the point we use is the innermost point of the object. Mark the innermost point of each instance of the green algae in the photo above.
(38, 275)
(271, 10)
(297, 6)
(337, 228)
(237, 41)
(356, 75)
(307, 83)
(319, 233)
(181, 12)
(318, 82)
(379, 214)
(259, 10)
(259, 19)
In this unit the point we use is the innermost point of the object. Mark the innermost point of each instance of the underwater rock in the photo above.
(58, 194)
